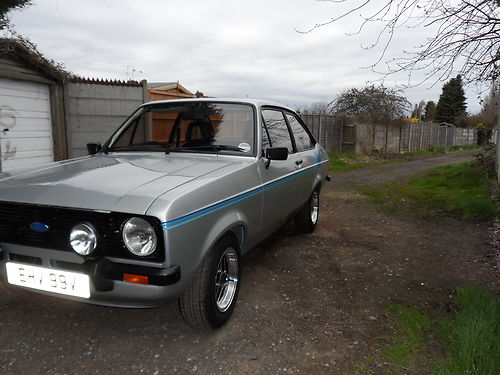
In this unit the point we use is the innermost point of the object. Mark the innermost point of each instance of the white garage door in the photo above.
(25, 124)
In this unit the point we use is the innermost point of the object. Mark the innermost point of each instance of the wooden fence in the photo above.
(327, 129)
(337, 134)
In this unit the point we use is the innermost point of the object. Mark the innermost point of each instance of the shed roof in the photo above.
(165, 86)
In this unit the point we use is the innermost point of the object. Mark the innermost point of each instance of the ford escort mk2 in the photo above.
(164, 209)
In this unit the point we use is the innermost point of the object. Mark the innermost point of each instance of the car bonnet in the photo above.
(122, 183)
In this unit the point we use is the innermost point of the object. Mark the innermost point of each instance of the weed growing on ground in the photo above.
(472, 338)
(411, 325)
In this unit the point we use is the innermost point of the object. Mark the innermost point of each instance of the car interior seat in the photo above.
(199, 133)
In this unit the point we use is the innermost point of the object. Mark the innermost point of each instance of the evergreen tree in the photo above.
(430, 111)
(451, 105)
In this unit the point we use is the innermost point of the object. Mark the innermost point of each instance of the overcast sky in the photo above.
(224, 48)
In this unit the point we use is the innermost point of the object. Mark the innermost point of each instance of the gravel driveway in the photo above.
(309, 304)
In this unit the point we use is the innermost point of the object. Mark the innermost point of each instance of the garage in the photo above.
(25, 124)
(32, 130)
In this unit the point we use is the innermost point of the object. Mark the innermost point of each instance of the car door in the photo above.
(280, 182)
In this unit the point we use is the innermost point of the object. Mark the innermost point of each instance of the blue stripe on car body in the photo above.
(174, 223)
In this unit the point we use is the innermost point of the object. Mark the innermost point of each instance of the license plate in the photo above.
(49, 280)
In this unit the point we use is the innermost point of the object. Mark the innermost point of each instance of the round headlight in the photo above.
(83, 239)
(139, 237)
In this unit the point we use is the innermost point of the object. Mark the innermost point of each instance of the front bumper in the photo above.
(106, 277)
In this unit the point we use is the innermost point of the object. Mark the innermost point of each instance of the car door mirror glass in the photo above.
(93, 148)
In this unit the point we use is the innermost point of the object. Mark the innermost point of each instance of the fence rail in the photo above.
(336, 134)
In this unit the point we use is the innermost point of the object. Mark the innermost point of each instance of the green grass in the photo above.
(433, 151)
(472, 338)
(469, 339)
(458, 190)
(343, 161)
(411, 326)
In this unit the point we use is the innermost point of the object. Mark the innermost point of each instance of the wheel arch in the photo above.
(231, 224)
(239, 233)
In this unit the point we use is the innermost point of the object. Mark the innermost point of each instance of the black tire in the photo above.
(308, 216)
(209, 302)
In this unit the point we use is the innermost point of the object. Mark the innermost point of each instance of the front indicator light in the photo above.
(136, 279)
(83, 239)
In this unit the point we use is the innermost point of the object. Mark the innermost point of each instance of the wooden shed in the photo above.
(168, 90)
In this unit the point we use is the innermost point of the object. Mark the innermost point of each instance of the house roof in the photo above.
(23, 50)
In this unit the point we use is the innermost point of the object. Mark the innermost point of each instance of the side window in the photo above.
(279, 136)
(303, 140)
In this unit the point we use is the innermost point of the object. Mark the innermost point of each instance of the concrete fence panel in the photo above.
(94, 111)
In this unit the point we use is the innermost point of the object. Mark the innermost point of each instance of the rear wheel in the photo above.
(307, 218)
(209, 302)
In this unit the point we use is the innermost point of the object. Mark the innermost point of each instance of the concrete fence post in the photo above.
(421, 135)
(320, 130)
(399, 143)
(409, 138)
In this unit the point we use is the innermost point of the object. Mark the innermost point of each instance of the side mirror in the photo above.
(93, 148)
(277, 153)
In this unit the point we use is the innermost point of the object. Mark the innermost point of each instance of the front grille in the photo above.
(16, 218)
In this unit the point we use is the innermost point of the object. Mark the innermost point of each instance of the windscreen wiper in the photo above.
(212, 147)
(141, 147)
(166, 145)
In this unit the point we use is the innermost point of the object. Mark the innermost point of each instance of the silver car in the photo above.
(165, 209)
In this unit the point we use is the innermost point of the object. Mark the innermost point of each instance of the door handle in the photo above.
(298, 162)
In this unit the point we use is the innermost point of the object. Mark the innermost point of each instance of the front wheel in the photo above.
(308, 216)
(209, 302)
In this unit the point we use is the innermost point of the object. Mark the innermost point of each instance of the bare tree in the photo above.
(465, 40)
(490, 112)
(316, 108)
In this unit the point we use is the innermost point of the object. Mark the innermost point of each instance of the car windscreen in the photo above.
(206, 127)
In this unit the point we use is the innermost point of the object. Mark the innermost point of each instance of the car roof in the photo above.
(256, 102)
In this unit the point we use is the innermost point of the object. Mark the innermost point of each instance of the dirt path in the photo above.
(309, 304)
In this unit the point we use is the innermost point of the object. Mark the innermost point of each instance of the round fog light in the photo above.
(83, 239)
